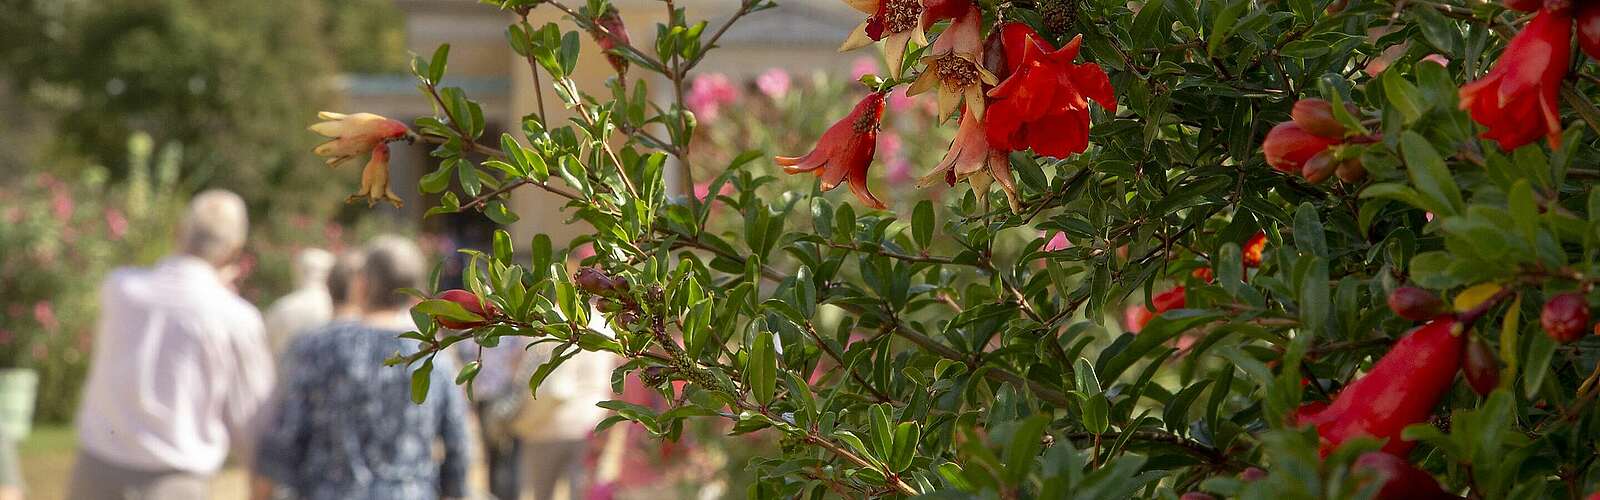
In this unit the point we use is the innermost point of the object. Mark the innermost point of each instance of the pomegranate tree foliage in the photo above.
(969, 361)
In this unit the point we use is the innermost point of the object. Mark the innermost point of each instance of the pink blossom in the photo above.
(583, 252)
(116, 224)
(863, 66)
(899, 102)
(61, 205)
(899, 170)
(1438, 59)
(702, 191)
(1058, 243)
(774, 83)
(708, 94)
(45, 314)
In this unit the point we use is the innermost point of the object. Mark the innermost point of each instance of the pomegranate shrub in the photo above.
(1208, 249)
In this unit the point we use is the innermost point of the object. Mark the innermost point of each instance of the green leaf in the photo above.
(498, 212)
(1428, 173)
(906, 438)
(882, 429)
(502, 246)
(922, 224)
(1403, 96)
(420, 379)
(468, 372)
(1308, 232)
(1222, 26)
(441, 56)
(446, 309)
(1023, 451)
(1086, 381)
(763, 367)
(1541, 349)
(1176, 413)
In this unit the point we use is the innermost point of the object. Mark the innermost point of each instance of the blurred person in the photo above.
(556, 428)
(498, 394)
(346, 268)
(345, 426)
(309, 305)
(10, 470)
(180, 367)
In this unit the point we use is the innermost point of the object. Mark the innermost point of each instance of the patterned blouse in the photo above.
(345, 427)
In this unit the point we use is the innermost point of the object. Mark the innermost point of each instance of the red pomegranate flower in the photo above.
(1254, 248)
(953, 65)
(897, 23)
(1516, 100)
(1288, 146)
(354, 134)
(845, 151)
(971, 159)
(1044, 103)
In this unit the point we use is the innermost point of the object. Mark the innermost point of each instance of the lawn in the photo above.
(47, 466)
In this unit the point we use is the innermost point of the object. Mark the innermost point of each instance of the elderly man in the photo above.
(180, 370)
(346, 428)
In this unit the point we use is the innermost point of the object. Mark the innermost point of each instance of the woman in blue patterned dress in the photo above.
(345, 426)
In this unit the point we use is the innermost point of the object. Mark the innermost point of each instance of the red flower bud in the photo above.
(1401, 389)
(593, 281)
(1565, 317)
(1400, 479)
(1288, 146)
(1315, 115)
(1589, 28)
(1319, 168)
(472, 304)
(1204, 274)
(1480, 367)
(1415, 303)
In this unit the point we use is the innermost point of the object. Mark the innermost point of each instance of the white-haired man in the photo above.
(180, 370)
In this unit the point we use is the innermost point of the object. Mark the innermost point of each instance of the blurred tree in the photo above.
(233, 82)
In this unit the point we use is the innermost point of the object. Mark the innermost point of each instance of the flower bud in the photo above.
(1315, 115)
(593, 281)
(1350, 171)
(1565, 317)
(1319, 168)
(1204, 274)
(1415, 303)
(1480, 367)
(472, 304)
(1288, 146)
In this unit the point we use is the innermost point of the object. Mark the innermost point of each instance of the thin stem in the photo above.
(811, 330)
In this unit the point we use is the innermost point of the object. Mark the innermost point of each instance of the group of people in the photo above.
(185, 374)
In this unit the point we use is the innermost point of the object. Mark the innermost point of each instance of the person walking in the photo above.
(308, 306)
(180, 368)
(555, 429)
(345, 425)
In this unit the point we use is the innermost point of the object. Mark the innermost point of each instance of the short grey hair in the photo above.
(311, 267)
(392, 262)
(214, 227)
(345, 271)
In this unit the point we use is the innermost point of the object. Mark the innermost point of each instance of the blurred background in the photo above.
(113, 113)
